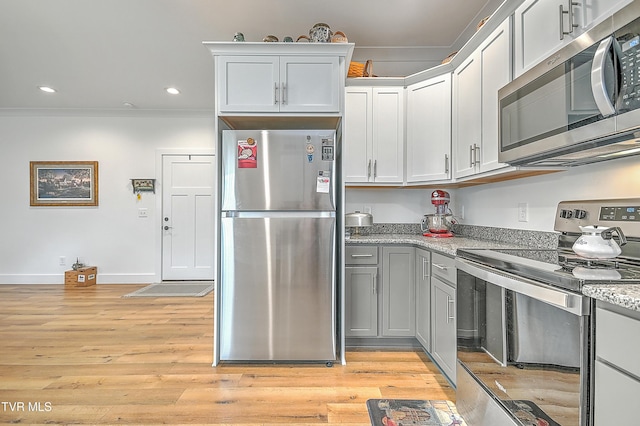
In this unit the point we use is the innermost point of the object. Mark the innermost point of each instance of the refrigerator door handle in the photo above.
(278, 214)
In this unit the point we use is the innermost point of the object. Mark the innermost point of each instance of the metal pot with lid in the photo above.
(358, 219)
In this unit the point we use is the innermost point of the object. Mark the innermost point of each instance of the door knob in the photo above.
(166, 228)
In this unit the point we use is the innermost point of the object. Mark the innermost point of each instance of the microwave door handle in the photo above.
(598, 86)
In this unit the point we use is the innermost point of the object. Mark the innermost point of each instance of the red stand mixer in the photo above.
(438, 225)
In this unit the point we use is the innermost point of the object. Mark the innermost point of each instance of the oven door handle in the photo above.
(569, 302)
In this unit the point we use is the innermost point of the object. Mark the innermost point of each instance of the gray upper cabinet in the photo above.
(398, 292)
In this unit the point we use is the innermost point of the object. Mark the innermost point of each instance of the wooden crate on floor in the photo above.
(83, 277)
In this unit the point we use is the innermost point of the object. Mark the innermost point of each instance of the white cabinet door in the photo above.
(475, 104)
(374, 135)
(388, 134)
(540, 27)
(358, 125)
(309, 84)
(596, 10)
(467, 115)
(495, 58)
(278, 84)
(248, 84)
(429, 130)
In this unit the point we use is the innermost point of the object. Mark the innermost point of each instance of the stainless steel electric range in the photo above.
(525, 331)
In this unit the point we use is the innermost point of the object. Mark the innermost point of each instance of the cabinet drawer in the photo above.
(443, 267)
(361, 255)
(612, 340)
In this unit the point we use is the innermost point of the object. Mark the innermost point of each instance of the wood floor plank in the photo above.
(90, 356)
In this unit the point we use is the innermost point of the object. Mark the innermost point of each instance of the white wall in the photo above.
(110, 236)
(390, 205)
(496, 204)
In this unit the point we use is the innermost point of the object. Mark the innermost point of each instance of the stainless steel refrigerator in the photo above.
(278, 246)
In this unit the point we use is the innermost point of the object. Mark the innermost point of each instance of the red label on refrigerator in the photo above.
(247, 154)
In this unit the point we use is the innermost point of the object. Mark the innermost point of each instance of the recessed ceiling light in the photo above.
(47, 89)
(172, 91)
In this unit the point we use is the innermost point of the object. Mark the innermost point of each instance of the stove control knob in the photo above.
(580, 214)
(566, 214)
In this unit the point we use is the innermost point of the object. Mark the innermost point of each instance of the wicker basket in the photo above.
(357, 69)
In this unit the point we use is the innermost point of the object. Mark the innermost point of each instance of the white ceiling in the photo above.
(99, 54)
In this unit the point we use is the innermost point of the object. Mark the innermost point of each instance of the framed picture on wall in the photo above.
(64, 183)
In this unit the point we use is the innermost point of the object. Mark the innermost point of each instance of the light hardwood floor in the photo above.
(89, 356)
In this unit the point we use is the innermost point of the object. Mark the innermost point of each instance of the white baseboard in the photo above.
(59, 278)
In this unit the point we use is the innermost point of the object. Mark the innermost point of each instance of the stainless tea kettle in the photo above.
(598, 243)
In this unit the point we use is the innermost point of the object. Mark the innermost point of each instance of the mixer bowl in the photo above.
(437, 223)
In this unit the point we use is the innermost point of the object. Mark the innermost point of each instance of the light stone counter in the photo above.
(443, 245)
(626, 296)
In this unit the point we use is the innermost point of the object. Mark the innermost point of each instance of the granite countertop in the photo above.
(443, 245)
(626, 296)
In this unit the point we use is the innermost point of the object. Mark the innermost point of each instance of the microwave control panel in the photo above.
(630, 72)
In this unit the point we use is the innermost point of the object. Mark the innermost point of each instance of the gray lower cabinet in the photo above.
(617, 370)
(398, 292)
(385, 307)
(443, 314)
(361, 301)
(423, 298)
(361, 291)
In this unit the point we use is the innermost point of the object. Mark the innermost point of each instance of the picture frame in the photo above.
(143, 185)
(63, 183)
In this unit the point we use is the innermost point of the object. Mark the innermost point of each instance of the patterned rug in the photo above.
(399, 412)
(174, 289)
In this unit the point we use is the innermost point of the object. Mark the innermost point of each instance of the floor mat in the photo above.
(174, 289)
(387, 412)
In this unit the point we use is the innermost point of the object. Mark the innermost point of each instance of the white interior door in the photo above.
(188, 185)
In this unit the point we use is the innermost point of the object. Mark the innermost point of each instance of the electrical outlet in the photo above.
(63, 261)
(523, 212)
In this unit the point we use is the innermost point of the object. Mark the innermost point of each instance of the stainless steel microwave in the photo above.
(582, 104)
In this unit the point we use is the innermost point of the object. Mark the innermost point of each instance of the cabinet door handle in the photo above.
(375, 284)
(450, 316)
(425, 268)
(441, 267)
(361, 255)
(569, 12)
(275, 93)
(446, 164)
(471, 153)
(476, 155)
(369, 170)
(375, 169)
(284, 94)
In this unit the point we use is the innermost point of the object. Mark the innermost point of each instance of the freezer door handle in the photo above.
(295, 214)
